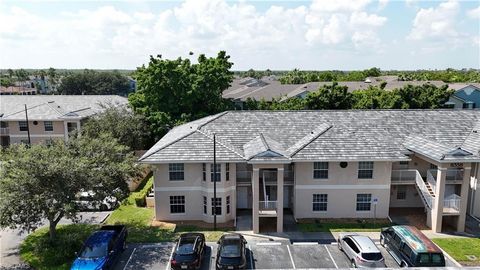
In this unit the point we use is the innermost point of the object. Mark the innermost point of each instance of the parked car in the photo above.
(231, 252)
(410, 247)
(188, 252)
(86, 202)
(361, 251)
(102, 248)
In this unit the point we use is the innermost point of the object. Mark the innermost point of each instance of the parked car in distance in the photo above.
(86, 202)
(102, 249)
(361, 251)
(188, 252)
(410, 247)
(231, 252)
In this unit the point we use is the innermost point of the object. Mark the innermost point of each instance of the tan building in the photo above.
(320, 164)
(49, 116)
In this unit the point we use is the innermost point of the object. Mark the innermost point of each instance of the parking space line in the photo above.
(251, 255)
(331, 257)
(305, 243)
(291, 258)
(170, 259)
(129, 258)
(269, 244)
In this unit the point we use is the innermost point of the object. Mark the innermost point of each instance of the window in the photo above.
(3, 124)
(23, 126)
(320, 170)
(228, 204)
(204, 205)
(365, 170)
(407, 251)
(176, 171)
(217, 206)
(433, 166)
(320, 202)
(227, 172)
(177, 204)
(71, 127)
(403, 165)
(364, 202)
(217, 172)
(48, 125)
(204, 172)
(401, 192)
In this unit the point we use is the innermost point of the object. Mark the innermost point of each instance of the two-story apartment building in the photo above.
(49, 116)
(319, 164)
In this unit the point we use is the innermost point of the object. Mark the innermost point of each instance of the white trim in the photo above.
(198, 188)
(36, 135)
(352, 187)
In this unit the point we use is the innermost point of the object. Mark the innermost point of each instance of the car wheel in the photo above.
(354, 265)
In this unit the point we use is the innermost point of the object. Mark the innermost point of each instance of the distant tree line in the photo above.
(91, 82)
(336, 97)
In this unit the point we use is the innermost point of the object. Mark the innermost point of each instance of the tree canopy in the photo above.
(170, 92)
(128, 127)
(90, 82)
(42, 182)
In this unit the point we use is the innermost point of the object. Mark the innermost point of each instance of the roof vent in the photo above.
(475, 131)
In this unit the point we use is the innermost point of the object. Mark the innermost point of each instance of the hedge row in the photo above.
(140, 195)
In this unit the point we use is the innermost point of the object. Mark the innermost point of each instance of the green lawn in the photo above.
(40, 253)
(342, 226)
(461, 248)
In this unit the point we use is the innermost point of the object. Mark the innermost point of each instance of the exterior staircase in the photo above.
(425, 190)
(429, 188)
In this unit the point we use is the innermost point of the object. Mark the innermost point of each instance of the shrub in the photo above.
(139, 196)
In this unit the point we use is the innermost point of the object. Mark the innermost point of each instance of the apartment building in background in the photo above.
(320, 164)
(49, 116)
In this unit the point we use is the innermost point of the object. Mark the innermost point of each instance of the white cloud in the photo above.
(474, 13)
(362, 19)
(338, 5)
(382, 4)
(436, 22)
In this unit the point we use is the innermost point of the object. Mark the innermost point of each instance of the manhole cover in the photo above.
(471, 257)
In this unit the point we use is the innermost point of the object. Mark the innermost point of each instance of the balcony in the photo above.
(270, 177)
(267, 208)
(453, 175)
(451, 204)
(404, 176)
(4, 131)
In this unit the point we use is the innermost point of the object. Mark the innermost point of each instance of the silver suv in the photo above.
(360, 250)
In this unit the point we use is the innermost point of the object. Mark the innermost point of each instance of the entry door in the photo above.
(242, 197)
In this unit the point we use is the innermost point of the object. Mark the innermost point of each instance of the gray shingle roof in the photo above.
(52, 107)
(321, 135)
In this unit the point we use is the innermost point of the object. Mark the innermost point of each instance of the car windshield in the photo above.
(186, 246)
(372, 256)
(94, 251)
(230, 249)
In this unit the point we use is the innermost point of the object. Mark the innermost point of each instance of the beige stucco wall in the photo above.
(342, 188)
(412, 199)
(416, 163)
(37, 132)
(193, 188)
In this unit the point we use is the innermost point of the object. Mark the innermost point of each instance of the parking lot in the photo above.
(260, 255)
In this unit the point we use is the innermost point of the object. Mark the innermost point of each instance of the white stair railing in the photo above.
(428, 199)
(431, 179)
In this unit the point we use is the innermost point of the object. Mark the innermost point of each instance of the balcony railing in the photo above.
(403, 176)
(451, 204)
(4, 131)
(452, 174)
(267, 208)
(432, 180)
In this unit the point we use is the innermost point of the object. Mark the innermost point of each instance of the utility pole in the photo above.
(214, 183)
(28, 127)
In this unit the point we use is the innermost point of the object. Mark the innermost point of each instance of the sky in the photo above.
(278, 35)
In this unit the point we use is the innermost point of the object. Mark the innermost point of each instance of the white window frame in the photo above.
(21, 125)
(403, 191)
(320, 200)
(218, 172)
(204, 172)
(227, 171)
(227, 204)
(218, 206)
(174, 169)
(321, 168)
(177, 201)
(365, 167)
(205, 205)
(50, 125)
(363, 202)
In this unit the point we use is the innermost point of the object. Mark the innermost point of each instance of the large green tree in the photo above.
(41, 182)
(329, 97)
(170, 92)
(128, 127)
(90, 82)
